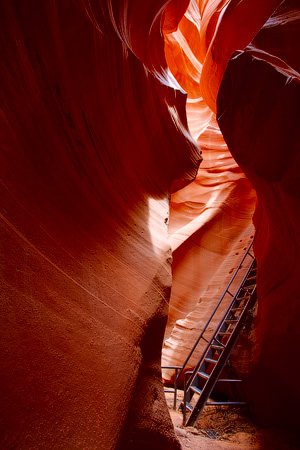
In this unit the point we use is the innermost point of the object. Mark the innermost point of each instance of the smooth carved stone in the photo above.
(210, 219)
(258, 113)
(227, 28)
(92, 144)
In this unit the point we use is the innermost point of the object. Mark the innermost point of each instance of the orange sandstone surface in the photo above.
(257, 111)
(96, 133)
(210, 219)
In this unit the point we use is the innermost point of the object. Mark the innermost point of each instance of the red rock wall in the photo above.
(91, 142)
(270, 158)
(258, 113)
(210, 219)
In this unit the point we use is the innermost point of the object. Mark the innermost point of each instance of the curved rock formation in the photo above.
(211, 219)
(92, 140)
(257, 110)
(269, 155)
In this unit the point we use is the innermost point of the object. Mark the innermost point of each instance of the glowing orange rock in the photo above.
(211, 219)
(258, 114)
(231, 30)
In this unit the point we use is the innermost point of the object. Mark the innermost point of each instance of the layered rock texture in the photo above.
(211, 219)
(257, 106)
(94, 138)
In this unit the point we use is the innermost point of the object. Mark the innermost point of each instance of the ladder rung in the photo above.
(189, 406)
(228, 330)
(249, 286)
(251, 276)
(243, 297)
(203, 375)
(210, 360)
(229, 380)
(240, 299)
(217, 347)
(195, 389)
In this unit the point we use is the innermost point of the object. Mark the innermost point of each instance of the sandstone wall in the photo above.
(257, 109)
(92, 139)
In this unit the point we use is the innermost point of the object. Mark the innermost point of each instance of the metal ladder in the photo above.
(208, 369)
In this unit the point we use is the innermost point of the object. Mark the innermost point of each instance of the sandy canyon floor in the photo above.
(228, 428)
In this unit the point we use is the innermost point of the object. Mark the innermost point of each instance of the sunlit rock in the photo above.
(94, 138)
(211, 219)
(258, 113)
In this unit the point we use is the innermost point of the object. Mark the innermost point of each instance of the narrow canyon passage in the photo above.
(254, 133)
(107, 110)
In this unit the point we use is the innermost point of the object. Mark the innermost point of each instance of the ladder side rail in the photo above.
(198, 365)
(175, 388)
(216, 308)
(235, 295)
(209, 385)
(201, 360)
(235, 333)
(217, 330)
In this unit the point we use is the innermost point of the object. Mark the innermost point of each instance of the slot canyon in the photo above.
(143, 145)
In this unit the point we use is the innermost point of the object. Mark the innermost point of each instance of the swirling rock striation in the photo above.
(210, 219)
(257, 110)
(263, 135)
(93, 138)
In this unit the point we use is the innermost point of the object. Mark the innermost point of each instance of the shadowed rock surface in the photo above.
(94, 139)
(91, 143)
(210, 219)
